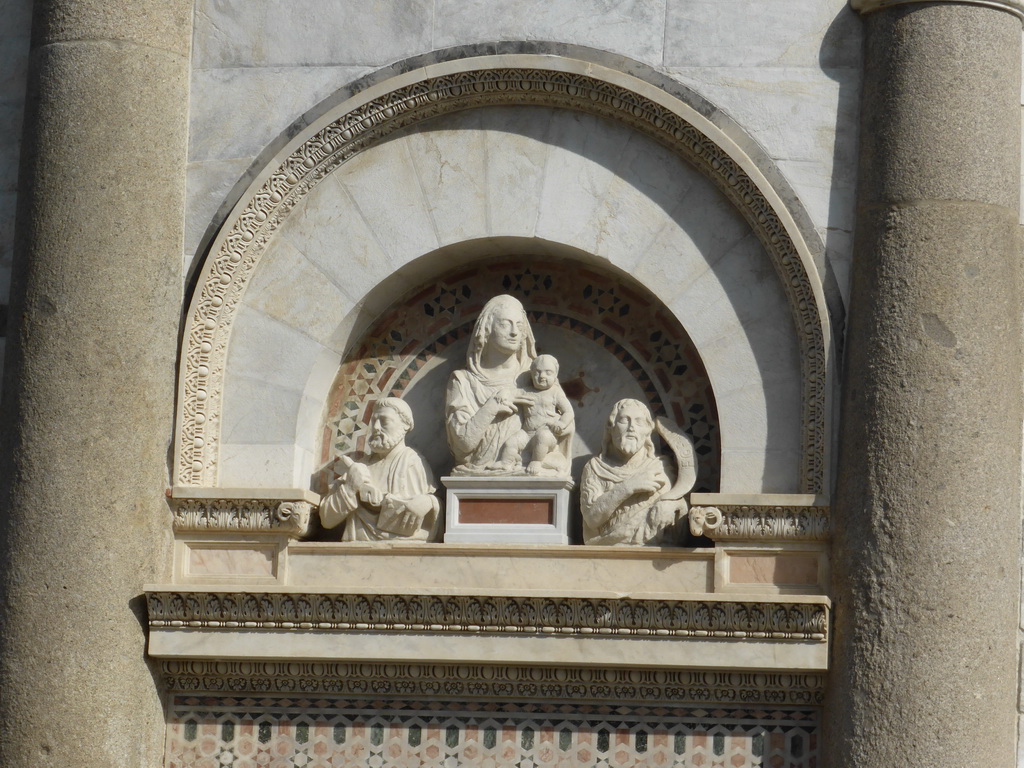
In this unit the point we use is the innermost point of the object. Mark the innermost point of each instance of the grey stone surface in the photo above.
(14, 44)
(634, 28)
(15, 29)
(89, 387)
(255, 33)
(793, 82)
(8, 203)
(925, 658)
(922, 75)
(208, 193)
(786, 33)
(806, 118)
(237, 112)
(155, 24)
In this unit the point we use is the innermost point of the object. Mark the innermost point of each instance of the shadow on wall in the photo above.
(842, 193)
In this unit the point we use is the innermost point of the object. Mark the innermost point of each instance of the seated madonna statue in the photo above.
(481, 414)
(625, 493)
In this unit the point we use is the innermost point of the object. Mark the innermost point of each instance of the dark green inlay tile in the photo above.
(264, 733)
(603, 739)
(377, 734)
(527, 738)
(641, 741)
(451, 736)
(718, 744)
(339, 734)
(757, 745)
(796, 746)
(191, 729)
(490, 737)
(302, 733)
(680, 743)
(564, 739)
(415, 735)
(227, 732)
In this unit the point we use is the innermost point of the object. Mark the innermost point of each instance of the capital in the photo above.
(1016, 7)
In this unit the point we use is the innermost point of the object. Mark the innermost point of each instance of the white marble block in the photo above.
(507, 509)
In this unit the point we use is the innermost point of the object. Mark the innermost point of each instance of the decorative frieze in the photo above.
(491, 682)
(479, 614)
(242, 516)
(367, 731)
(735, 522)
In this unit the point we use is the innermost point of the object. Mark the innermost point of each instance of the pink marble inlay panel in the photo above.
(779, 570)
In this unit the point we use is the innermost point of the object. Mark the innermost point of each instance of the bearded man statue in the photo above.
(389, 495)
(625, 493)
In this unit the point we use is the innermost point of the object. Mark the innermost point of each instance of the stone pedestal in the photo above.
(927, 506)
(511, 510)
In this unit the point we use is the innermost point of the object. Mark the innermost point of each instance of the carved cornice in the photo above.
(478, 614)
(242, 516)
(246, 236)
(1016, 7)
(733, 522)
(493, 682)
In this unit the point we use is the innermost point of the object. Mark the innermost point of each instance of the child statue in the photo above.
(548, 421)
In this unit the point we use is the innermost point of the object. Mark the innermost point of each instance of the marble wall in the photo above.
(788, 72)
(793, 90)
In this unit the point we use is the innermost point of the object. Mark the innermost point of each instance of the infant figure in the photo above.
(548, 422)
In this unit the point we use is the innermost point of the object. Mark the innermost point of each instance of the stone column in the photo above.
(927, 507)
(89, 380)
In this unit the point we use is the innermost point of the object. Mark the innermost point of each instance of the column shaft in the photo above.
(89, 380)
(927, 505)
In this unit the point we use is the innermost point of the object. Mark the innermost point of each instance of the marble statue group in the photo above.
(505, 414)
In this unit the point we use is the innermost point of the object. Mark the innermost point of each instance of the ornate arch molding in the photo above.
(433, 90)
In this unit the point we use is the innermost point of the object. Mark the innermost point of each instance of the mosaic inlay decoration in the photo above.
(631, 326)
(321, 733)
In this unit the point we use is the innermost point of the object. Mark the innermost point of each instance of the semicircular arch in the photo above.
(374, 115)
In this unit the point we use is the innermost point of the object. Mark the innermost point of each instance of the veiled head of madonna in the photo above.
(503, 330)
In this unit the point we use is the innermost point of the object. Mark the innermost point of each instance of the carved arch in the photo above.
(421, 94)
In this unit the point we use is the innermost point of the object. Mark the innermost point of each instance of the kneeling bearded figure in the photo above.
(389, 495)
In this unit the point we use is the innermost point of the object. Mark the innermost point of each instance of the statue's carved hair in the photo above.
(648, 446)
(620, 406)
(398, 406)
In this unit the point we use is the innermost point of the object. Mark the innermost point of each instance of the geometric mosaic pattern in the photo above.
(323, 733)
(629, 323)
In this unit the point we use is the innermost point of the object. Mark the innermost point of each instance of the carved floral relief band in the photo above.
(246, 236)
(741, 522)
(655, 619)
(505, 681)
(242, 516)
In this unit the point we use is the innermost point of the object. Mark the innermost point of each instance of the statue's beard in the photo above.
(629, 445)
(381, 442)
